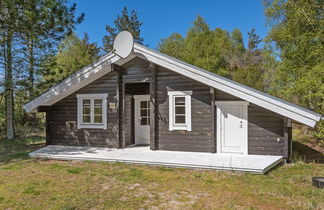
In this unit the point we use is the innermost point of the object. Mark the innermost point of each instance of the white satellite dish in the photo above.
(123, 44)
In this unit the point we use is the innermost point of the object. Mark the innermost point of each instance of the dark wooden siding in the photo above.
(264, 128)
(265, 132)
(62, 118)
(200, 138)
(136, 71)
(128, 119)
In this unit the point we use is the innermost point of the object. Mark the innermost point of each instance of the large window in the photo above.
(92, 111)
(180, 110)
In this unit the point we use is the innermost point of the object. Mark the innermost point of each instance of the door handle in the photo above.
(241, 124)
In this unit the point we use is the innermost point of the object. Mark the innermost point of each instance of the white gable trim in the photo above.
(73, 83)
(259, 98)
(103, 66)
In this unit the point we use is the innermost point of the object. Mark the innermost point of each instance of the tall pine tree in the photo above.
(24, 28)
(123, 22)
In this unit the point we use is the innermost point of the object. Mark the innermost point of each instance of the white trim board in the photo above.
(172, 124)
(103, 97)
(95, 71)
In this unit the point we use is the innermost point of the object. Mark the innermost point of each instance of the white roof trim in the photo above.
(259, 98)
(73, 83)
(102, 67)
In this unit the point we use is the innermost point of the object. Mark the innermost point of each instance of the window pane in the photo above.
(144, 112)
(98, 110)
(145, 121)
(98, 102)
(86, 102)
(179, 110)
(86, 118)
(144, 104)
(180, 119)
(86, 106)
(98, 118)
(179, 101)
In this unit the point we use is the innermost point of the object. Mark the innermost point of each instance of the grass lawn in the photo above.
(46, 184)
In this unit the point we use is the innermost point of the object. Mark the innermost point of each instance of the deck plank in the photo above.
(258, 164)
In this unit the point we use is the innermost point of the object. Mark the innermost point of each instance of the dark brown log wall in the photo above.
(265, 128)
(62, 118)
(200, 138)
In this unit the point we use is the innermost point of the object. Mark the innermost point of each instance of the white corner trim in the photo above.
(92, 124)
(187, 125)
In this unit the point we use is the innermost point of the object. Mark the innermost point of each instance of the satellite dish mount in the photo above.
(123, 44)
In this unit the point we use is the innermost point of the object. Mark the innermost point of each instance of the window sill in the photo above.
(178, 128)
(92, 126)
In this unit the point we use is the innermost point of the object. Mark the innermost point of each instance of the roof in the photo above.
(103, 66)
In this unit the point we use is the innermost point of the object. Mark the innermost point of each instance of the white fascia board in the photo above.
(259, 98)
(73, 83)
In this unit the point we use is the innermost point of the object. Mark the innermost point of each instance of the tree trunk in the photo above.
(9, 87)
(31, 76)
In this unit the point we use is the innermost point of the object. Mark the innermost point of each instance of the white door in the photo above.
(142, 119)
(232, 127)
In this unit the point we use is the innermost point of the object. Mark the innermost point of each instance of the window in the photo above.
(145, 112)
(92, 111)
(180, 110)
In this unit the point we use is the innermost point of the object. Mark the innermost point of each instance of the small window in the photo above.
(145, 112)
(92, 111)
(180, 110)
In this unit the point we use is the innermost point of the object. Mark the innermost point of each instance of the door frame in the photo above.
(219, 105)
(136, 113)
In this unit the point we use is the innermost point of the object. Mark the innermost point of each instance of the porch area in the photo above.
(258, 164)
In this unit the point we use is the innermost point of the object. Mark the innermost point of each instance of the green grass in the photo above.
(47, 184)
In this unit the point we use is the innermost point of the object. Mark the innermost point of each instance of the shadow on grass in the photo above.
(306, 153)
(18, 149)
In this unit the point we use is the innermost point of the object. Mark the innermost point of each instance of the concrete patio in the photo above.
(258, 164)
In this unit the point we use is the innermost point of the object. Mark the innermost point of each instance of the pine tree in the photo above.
(237, 41)
(44, 25)
(123, 22)
(254, 40)
(24, 28)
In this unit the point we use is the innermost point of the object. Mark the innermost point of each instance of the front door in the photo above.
(232, 127)
(142, 119)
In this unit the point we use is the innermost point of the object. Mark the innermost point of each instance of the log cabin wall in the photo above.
(267, 134)
(62, 118)
(200, 139)
(266, 129)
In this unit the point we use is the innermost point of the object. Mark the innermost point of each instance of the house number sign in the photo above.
(112, 105)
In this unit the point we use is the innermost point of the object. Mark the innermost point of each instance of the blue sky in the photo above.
(162, 18)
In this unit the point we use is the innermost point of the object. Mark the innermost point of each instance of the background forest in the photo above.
(38, 48)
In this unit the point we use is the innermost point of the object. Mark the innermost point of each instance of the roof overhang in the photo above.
(103, 66)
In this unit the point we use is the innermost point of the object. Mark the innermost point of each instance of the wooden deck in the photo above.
(258, 164)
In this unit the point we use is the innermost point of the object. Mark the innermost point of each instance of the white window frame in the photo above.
(177, 126)
(92, 124)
